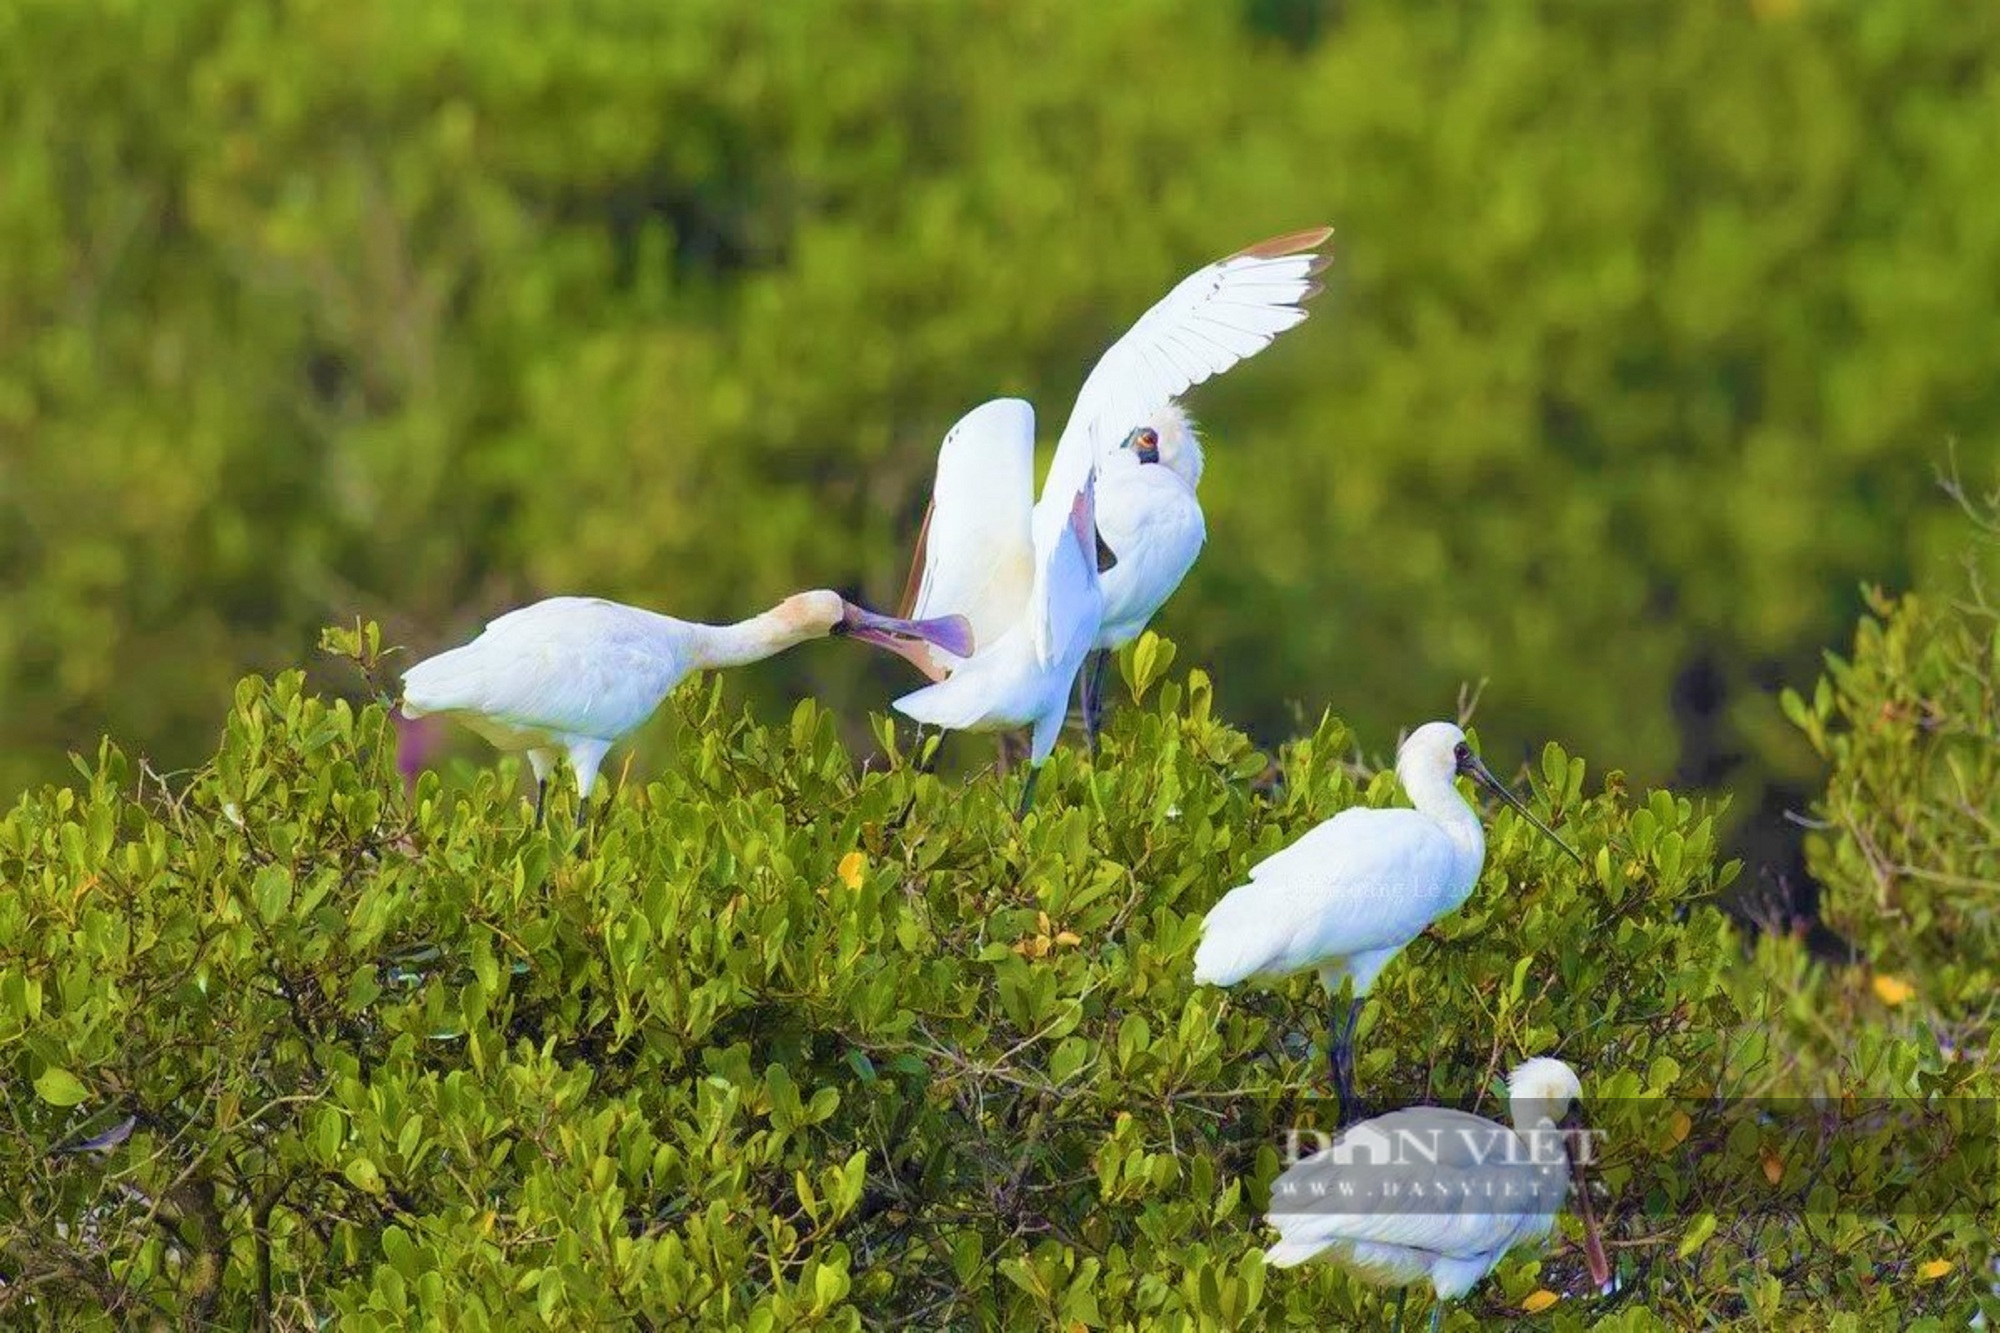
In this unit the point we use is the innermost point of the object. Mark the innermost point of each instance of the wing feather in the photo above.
(1183, 340)
(1454, 1207)
(913, 582)
(1360, 882)
(576, 666)
(974, 558)
(1069, 607)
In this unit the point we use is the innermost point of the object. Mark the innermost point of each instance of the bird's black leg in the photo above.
(1402, 1295)
(1333, 1043)
(1091, 682)
(1343, 1061)
(1083, 704)
(1437, 1316)
(541, 800)
(1027, 794)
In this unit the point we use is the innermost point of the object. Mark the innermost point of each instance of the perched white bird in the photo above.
(1430, 1192)
(1150, 528)
(975, 554)
(573, 675)
(1023, 678)
(1344, 899)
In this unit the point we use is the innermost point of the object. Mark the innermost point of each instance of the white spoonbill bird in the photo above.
(1150, 529)
(574, 675)
(1023, 678)
(975, 553)
(1345, 898)
(1430, 1192)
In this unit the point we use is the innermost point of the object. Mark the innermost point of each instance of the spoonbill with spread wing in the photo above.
(1344, 899)
(1430, 1192)
(975, 554)
(1023, 677)
(575, 675)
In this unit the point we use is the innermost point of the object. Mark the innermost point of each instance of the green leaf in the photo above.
(1150, 658)
(1697, 1235)
(58, 1087)
(548, 1294)
(830, 1286)
(363, 1175)
(272, 893)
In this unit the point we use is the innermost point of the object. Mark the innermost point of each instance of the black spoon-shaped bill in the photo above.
(1469, 764)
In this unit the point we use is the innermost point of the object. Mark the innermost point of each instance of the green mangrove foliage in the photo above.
(788, 1039)
(1907, 838)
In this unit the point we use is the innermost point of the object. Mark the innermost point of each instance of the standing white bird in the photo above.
(574, 675)
(1023, 678)
(975, 553)
(1430, 1192)
(1345, 898)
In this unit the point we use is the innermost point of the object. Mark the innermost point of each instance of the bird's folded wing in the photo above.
(1428, 1177)
(1066, 605)
(578, 666)
(1445, 1222)
(1365, 879)
(1213, 319)
(555, 615)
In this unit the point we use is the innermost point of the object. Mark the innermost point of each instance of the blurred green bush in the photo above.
(805, 1042)
(1906, 839)
(1646, 324)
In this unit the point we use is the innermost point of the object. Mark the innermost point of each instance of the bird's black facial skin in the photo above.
(1145, 442)
(1468, 765)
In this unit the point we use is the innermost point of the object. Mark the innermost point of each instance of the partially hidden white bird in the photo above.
(976, 551)
(1344, 899)
(1433, 1193)
(1023, 677)
(571, 676)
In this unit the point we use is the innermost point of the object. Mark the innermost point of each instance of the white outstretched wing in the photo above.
(973, 556)
(1216, 317)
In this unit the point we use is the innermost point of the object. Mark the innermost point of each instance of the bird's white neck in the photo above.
(1180, 443)
(1547, 1146)
(1530, 1114)
(1435, 794)
(714, 647)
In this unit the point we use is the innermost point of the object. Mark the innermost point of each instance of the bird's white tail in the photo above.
(1237, 938)
(440, 684)
(1292, 1253)
(954, 704)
